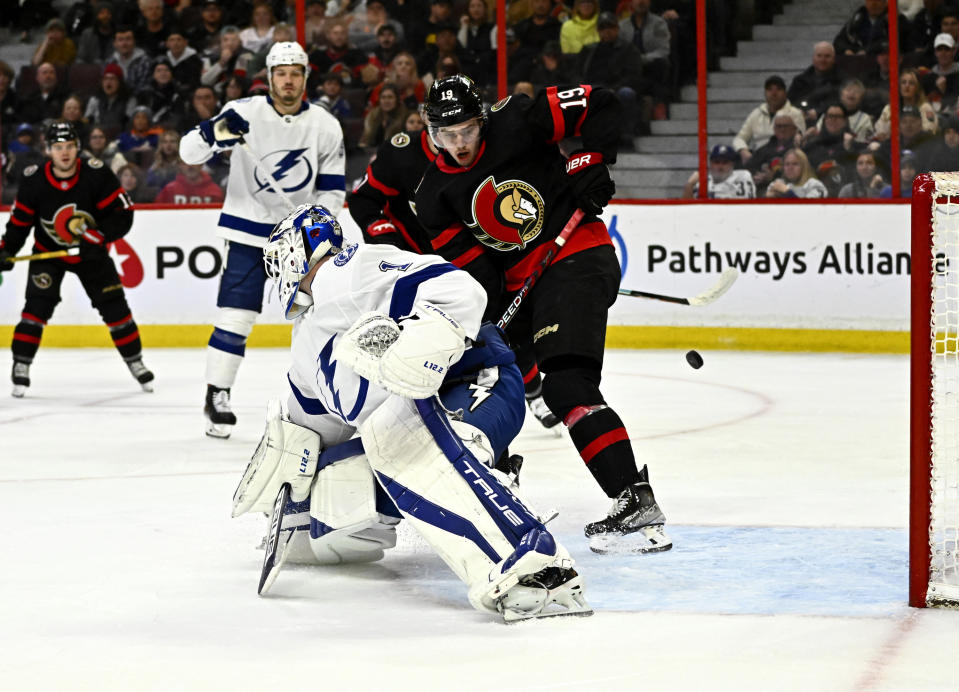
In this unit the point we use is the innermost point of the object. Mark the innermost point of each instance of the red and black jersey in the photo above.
(59, 209)
(387, 190)
(497, 218)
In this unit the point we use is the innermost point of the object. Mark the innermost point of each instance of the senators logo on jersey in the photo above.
(68, 224)
(507, 215)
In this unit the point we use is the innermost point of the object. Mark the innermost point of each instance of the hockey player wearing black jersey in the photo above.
(383, 207)
(67, 203)
(493, 202)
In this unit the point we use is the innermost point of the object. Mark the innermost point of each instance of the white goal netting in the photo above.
(944, 323)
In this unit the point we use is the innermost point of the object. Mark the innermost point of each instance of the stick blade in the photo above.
(726, 279)
(275, 543)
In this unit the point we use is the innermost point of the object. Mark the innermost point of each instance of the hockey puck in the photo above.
(694, 359)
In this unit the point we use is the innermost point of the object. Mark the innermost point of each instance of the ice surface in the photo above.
(783, 476)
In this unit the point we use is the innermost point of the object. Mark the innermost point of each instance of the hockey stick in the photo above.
(726, 279)
(43, 255)
(558, 244)
(273, 544)
(276, 543)
(270, 180)
(72, 252)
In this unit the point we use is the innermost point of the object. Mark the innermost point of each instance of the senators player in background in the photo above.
(493, 202)
(68, 202)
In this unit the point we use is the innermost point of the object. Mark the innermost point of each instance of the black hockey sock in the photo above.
(603, 443)
(26, 339)
(126, 337)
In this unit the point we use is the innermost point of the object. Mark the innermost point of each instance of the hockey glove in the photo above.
(592, 186)
(5, 263)
(92, 243)
(225, 130)
(380, 227)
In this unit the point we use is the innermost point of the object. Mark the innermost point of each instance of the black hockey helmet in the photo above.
(453, 100)
(61, 132)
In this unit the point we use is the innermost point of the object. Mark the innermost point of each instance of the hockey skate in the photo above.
(141, 373)
(634, 524)
(21, 378)
(510, 465)
(536, 581)
(542, 413)
(219, 417)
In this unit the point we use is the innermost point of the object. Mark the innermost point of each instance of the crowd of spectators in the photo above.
(828, 134)
(133, 74)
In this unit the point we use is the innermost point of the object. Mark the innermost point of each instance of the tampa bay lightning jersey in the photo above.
(303, 152)
(361, 279)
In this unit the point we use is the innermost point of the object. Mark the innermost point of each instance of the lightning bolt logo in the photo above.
(479, 394)
(286, 165)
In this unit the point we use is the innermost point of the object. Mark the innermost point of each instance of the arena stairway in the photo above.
(663, 161)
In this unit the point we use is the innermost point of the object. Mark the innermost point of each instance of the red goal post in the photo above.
(934, 393)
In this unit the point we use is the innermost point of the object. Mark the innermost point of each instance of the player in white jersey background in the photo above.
(393, 350)
(725, 182)
(301, 147)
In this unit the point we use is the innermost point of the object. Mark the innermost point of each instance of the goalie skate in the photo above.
(554, 592)
(537, 580)
(635, 524)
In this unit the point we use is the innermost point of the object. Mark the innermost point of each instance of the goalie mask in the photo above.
(297, 244)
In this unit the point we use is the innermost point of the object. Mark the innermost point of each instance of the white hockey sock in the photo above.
(228, 345)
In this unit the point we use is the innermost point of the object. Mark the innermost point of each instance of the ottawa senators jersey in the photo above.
(497, 218)
(387, 190)
(58, 209)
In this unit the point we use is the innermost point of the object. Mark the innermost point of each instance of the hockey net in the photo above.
(934, 475)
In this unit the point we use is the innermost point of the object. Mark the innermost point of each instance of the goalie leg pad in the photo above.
(287, 453)
(345, 521)
(459, 506)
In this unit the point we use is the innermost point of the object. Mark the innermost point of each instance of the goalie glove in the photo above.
(225, 130)
(411, 358)
(592, 186)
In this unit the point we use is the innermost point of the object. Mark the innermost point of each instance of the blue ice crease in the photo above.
(732, 571)
(759, 571)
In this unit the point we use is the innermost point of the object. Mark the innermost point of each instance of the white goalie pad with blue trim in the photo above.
(457, 504)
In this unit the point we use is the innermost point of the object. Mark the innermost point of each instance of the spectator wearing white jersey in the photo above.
(724, 181)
